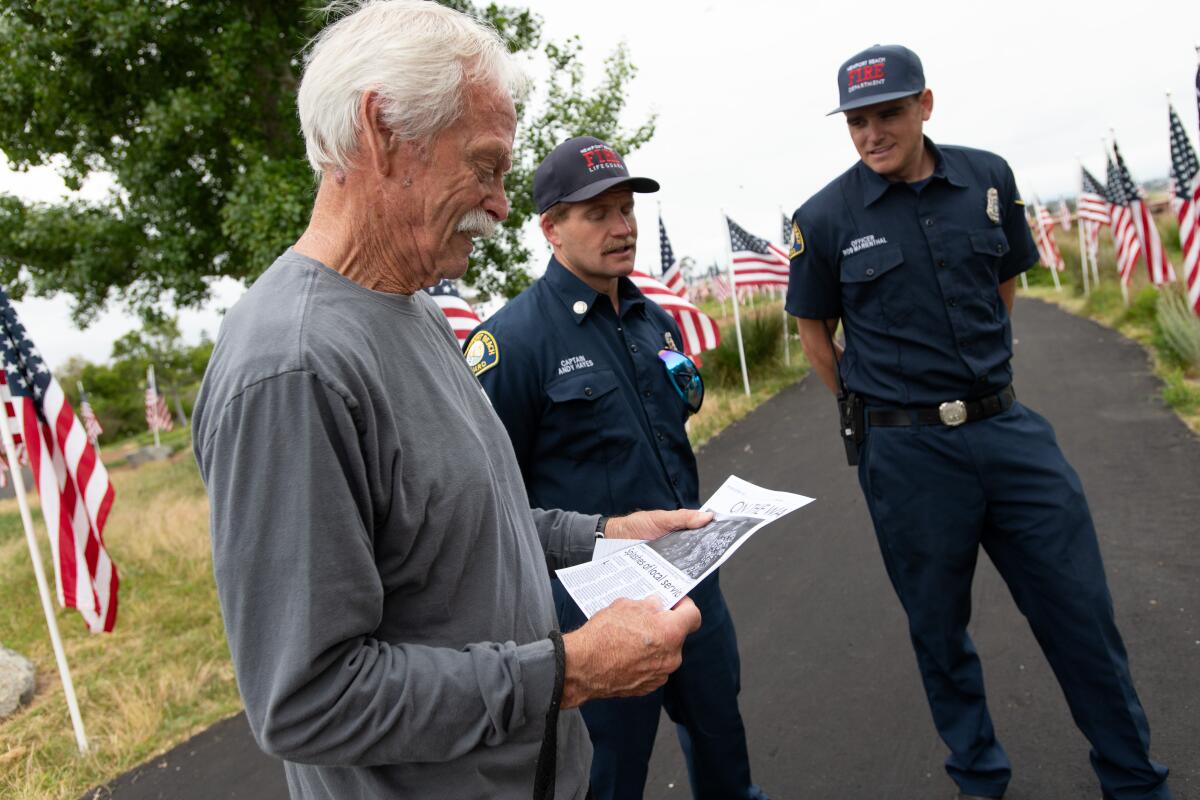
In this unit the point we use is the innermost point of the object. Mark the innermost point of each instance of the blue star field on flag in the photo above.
(1184, 165)
(26, 371)
(666, 255)
(741, 239)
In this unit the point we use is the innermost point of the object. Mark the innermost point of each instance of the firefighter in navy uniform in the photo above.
(916, 249)
(586, 374)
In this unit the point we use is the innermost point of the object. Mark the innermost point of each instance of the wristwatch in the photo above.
(601, 524)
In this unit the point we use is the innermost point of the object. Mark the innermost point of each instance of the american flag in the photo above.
(756, 262)
(1125, 237)
(158, 417)
(1147, 232)
(1185, 170)
(720, 288)
(459, 314)
(672, 275)
(1092, 211)
(71, 481)
(90, 423)
(1042, 226)
(1064, 215)
(785, 233)
(700, 333)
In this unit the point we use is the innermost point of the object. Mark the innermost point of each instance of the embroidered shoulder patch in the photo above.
(482, 353)
(797, 241)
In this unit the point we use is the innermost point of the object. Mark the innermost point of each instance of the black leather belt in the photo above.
(951, 414)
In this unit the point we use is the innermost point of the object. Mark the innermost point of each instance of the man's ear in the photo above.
(550, 230)
(375, 138)
(926, 101)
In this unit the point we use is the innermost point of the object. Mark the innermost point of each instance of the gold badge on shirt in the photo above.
(797, 241)
(993, 205)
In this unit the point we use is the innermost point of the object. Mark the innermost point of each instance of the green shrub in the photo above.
(1143, 308)
(1181, 395)
(762, 335)
(1178, 327)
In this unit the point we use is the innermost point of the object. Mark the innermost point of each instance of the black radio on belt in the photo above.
(852, 420)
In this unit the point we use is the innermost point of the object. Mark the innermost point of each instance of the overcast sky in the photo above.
(741, 90)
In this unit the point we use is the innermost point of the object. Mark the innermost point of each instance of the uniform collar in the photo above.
(572, 291)
(874, 184)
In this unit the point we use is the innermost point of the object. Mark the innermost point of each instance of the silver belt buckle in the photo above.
(953, 414)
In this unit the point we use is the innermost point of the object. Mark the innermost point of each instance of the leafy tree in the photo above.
(191, 107)
(116, 390)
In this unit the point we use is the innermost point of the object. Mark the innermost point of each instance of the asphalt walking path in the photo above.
(830, 690)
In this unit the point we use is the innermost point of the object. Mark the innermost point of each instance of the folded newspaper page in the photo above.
(668, 568)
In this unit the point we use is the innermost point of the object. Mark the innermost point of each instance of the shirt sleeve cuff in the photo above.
(582, 538)
(537, 678)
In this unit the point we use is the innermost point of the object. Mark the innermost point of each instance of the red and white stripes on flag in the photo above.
(719, 288)
(1185, 175)
(756, 262)
(158, 417)
(71, 481)
(1043, 227)
(699, 331)
(1064, 215)
(1160, 268)
(1092, 211)
(672, 274)
(1125, 237)
(459, 314)
(90, 423)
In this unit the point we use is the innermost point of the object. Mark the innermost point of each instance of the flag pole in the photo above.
(1083, 256)
(1037, 215)
(154, 396)
(60, 655)
(1112, 230)
(737, 319)
(787, 346)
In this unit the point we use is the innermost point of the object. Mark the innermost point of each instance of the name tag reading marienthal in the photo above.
(668, 568)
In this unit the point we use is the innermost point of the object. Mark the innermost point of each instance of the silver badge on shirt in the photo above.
(993, 205)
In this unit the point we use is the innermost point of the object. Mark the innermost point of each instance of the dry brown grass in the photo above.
(160, 677)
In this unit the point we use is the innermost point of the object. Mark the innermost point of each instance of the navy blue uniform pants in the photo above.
(935, 495)
(700, 698)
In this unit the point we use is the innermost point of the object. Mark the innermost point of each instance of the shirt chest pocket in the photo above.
(990, 245)
(587, 418)
(874, 285)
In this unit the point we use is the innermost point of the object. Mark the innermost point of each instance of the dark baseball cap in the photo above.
(878, 74)
(579, 169)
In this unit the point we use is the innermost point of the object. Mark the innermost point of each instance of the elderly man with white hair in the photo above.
(383, 581)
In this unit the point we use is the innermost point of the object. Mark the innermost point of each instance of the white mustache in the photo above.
(477, 224)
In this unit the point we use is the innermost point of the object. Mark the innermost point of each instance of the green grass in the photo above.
(725, 399)
(161, 676)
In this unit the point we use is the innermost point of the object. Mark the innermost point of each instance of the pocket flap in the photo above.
(871, 263)
(582, 386)
(989, 242)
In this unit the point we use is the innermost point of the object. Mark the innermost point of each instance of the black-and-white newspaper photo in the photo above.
(669, 567)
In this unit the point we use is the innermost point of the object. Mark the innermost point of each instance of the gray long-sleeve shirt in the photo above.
(382, 578)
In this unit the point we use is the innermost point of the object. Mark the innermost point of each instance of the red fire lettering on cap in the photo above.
(607, 156)
(587, 157)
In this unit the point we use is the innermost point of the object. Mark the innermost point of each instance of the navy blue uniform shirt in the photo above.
(913, 271)
(596, 426)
